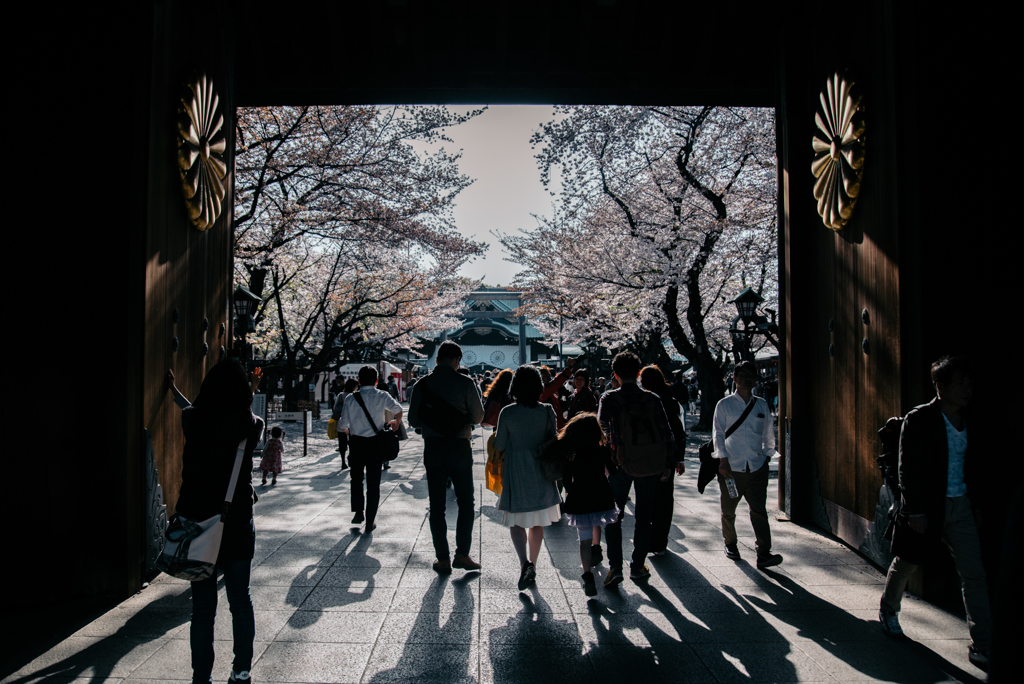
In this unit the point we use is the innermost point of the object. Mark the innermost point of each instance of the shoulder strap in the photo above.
(235, 470)
(743, 417)
(363, 406)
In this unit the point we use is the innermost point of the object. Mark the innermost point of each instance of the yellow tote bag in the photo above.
(495, 465)
(332, 429)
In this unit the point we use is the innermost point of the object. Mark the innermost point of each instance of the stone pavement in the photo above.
(334, 605)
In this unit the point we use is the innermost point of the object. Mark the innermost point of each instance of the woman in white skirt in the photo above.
(528, 500)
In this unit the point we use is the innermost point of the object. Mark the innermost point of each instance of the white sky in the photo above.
(496, 152)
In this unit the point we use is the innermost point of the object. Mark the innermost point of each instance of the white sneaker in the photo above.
(890, 623)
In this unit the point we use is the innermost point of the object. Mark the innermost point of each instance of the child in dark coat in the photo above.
(589, 503)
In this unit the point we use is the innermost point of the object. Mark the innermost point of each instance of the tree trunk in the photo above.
(709, 372)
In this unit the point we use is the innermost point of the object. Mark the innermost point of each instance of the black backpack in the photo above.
(438, 414)
(889, 464)
(640, 448)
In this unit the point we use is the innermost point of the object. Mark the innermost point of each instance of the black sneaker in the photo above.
(732, 551)
(527, 576)
(640, 572)
(614, 578)
(358, 518)
(768, 560)
(589, 586)
(890, 623)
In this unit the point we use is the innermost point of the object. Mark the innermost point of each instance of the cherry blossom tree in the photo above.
(665, 213)
(331, 303)
(328, 170)
(343, 215)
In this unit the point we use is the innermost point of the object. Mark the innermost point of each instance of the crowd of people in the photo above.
(577, 454)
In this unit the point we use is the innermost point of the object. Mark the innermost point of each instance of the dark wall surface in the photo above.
(105, 253)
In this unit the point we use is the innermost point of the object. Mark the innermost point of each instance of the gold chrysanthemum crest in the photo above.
(201, 146)
(838, 152)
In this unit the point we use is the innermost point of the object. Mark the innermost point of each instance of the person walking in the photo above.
(496, 398)
(583, 399)
(641, 440)
(457, 407)
(653, 380)
(744, 437)
(369, 403)
(550, 394)
(589, 502)
(528, 500)
(941, 482)
(214, 425)
(351, 385)
(336, 387)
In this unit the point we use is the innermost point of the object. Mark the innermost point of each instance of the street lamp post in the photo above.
(753, 323)
(592, 348)
(245, 303)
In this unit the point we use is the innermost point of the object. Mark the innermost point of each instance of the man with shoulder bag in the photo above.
(744, 439)
(445, 406)
(361, 416)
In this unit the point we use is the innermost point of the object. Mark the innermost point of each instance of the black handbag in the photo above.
(385, 442)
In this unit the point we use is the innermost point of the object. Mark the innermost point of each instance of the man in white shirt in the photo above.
(744, 457)
(364, 457)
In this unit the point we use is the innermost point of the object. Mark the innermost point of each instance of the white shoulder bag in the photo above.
(191, 548)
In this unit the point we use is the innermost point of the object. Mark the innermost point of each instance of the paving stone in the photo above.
(93, 657)
(312, 662)
(553, 629)
(427, 663)
(517, 663)
(431, 628)
(658, 662)
(331, 627)
(336, 605)
(768, 662)
(367, 599)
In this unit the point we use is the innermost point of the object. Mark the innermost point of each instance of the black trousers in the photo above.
(363, 459)
(664, 507)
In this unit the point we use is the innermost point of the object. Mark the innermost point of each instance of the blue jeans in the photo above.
(204, 610)
(452, 457)
(645, 493)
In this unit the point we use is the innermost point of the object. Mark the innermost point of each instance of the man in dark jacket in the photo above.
(616, 409)
(937, 473)
(446, 456)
